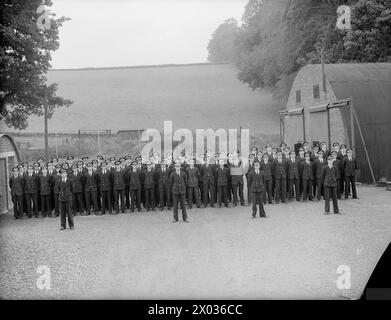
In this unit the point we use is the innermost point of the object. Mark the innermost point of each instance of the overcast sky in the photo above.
(106, 33)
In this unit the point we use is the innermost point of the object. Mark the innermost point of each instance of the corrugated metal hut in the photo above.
(318, 109)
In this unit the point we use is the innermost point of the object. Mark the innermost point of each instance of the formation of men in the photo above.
(99, 186)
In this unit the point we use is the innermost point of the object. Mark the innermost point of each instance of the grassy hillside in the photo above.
(192, 96)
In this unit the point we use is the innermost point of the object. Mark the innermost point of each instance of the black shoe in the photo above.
(326, 213)
(62, 228)
(187, 221)
(174, 221)
(252, 217)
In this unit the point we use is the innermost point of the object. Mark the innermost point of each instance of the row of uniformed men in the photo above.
(107, 184)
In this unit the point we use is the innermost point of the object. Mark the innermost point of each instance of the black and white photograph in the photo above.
(194, 150)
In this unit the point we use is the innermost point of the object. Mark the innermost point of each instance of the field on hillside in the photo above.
(192, 96)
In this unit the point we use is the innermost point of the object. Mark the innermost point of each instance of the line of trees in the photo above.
(278, 37)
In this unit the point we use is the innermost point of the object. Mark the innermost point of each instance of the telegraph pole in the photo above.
(46, 125)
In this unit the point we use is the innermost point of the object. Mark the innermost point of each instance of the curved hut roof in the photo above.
(369, 84)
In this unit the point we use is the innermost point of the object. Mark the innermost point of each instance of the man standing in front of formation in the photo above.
(64, 187)
(257, 183)
(178, 180)
(349, 165)
(330, 185)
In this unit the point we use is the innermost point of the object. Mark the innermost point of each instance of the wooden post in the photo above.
(281, 129)
(139, 141)
(352, 132)
(365, 147)
(303, 114)
(328, 126)
(99, 142)
(46, 125)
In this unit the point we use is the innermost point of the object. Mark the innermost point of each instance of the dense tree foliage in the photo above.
(25, 57)
(221, 46)
(278, 37)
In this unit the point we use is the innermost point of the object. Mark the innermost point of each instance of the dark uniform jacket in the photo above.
(64, 189)
(300, 161)
(192, 177)
(77, 182)
(293, 169)
(222, 175)
(208, 173)
(149, 179)
(178, 182)
(53, 176)
(256, 181)
(308, 172)
(91, 182)
(44, 185)
(30, 184)
(318, 168)
(105, 180)
(329, 176)
(163, 178)
(118, 180)
(134, 180)
(279, 169)
(16, 185)
(337, 165)
(267, 170)
(349, 167)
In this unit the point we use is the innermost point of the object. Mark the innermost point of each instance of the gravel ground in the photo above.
(221, 253)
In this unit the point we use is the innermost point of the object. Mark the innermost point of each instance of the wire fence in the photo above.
(93, 142)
